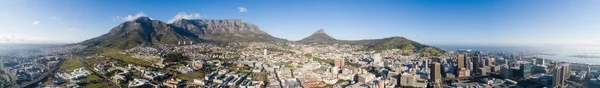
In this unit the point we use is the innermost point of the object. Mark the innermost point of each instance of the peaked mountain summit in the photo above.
(144, 31)
(379, 44)
(319, 37)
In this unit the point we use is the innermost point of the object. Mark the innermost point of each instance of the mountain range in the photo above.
(385, 43)
(145, 31)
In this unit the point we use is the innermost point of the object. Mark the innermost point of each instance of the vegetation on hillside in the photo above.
(431, 51)
(123, 57)
(71, 63)
(175, 57)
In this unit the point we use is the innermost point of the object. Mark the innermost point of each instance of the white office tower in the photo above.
(191, 43)
(183, 42)
(265, 53)
(179, 43)
(377, 61)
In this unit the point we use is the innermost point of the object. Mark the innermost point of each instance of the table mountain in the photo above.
(144, 31)
(226, 30)
(141, 31)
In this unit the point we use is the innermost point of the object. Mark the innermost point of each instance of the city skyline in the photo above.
(300, 44)
(511, 22)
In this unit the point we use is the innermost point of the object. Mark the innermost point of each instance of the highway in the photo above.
(44, 75)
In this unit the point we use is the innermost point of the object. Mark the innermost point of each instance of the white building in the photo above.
(377, 60)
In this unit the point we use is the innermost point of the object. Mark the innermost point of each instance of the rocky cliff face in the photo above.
(144, 31)
(141, 31)
(226, 30)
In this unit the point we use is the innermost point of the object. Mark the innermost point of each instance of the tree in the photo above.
(175, 57)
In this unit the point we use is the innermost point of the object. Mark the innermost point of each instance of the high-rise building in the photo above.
(476, 64)
(339, 63)
(489, 62)
(377, 61)
(435, 72)
(505, 71)
(484, 70)
(526, 69)
(463, 72)
(539, 61)
(560, 75)
(265, 53)
(461, 61)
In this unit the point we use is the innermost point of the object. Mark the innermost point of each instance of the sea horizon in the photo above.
(559, 53)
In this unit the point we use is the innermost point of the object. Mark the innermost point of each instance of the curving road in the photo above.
(44, 75)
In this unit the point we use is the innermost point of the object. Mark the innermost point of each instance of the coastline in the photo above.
(545, 52)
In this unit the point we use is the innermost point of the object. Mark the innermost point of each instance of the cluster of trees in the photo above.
(175, 57)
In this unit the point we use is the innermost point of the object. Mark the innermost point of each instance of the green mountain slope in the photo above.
(141, 31)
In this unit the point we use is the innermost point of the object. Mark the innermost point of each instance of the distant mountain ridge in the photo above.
(380, 44)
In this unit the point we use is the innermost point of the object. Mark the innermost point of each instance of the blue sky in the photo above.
(454, 22)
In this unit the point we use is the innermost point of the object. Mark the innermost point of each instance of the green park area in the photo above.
(71, 63)
(123, 57)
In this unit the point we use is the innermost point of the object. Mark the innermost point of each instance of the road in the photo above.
(44, 75)
(277, 76)
(115, 85)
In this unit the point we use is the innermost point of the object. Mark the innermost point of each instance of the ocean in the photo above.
(561, 53)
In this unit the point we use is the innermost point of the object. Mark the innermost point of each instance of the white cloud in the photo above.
(57, 19)
(36, 22)
(130, 17)
(183, 15)
(242, 9)
(13, 38)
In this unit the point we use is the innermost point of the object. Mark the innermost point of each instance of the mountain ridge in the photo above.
(394, 42)
(145, 31)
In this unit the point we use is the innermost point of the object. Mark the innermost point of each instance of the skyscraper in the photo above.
(461, 61)
(476, 64)
(435, 72)
(339, 63)
(560, 75)
(526, 69)
(505, 71)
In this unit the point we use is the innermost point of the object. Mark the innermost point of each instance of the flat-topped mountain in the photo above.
(144, 31)
(141, 31)
(226, 30)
